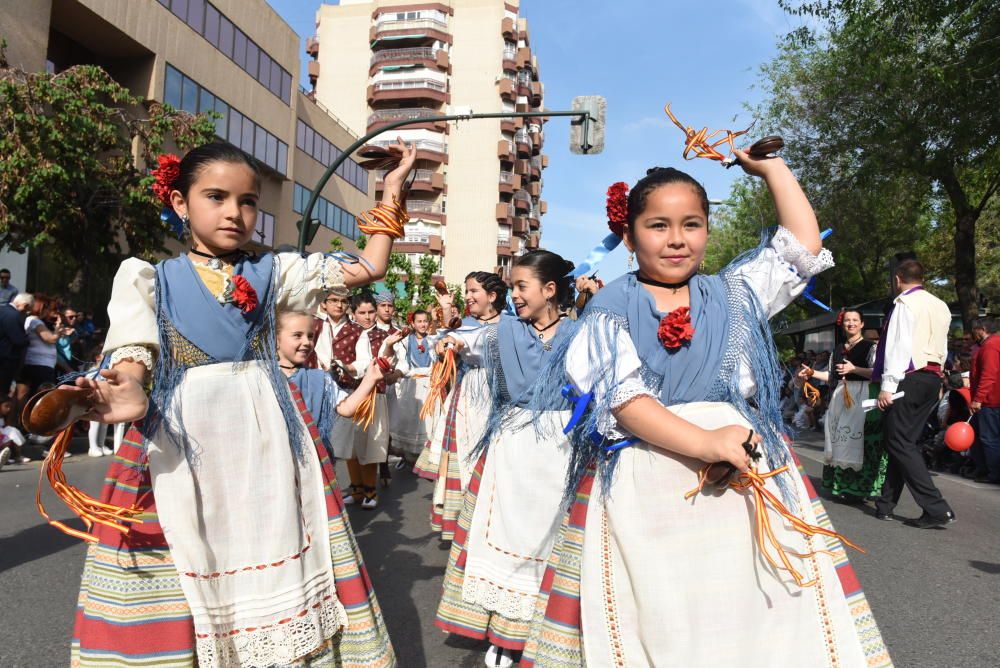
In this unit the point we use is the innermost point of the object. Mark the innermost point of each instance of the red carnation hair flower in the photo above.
(165, 177)
(244, 296)
(675, 329)
(618, 207)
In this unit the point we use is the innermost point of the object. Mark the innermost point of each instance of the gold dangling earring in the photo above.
(631, 260)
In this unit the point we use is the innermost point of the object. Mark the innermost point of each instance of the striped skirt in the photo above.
(829, 625)
(131, 610)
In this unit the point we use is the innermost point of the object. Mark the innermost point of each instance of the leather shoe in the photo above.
(885, 517)
(927, 521)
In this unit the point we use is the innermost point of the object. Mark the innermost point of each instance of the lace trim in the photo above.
(140, 354)
(794, 253)
(628, 391)
(280, 643)
(332, 275)
(505, 602)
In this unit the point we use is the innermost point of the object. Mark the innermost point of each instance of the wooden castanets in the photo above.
(51, 411)
(761, 148)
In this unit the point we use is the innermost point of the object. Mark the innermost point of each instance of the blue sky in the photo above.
(702, 56)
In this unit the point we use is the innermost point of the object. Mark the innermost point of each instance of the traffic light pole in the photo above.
(304, 224)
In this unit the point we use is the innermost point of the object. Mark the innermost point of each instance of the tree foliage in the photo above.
(73, 178)
(892, 110)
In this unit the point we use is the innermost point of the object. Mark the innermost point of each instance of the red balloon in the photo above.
(959, 436)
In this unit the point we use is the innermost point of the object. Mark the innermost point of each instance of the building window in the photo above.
(206, 20)
(183, 92)
(326, 212)
(263, 234)
(325, 152)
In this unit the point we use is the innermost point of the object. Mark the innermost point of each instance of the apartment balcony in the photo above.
(503, 247)
(519, 225)
(427, 149)
(398, 58)
(419, 243)
(537, 163)
(510, 58)
(521, 107)
(312, 46)
(533, 241)
(503, 272)
(408, 32)
(523, 59)
(524, 83)
(543, 207)
(508, 28)
(507, 182)
(522, 167)
(537, 93)
(523, 143)
(522, 202)
(424, 180)
(408, 89)
(385, 116)
(313, 72)
(505, 211)
(534, 217)
(425, 210)
(506, 88)
(505, 150)
(515, 244)
(534, 188)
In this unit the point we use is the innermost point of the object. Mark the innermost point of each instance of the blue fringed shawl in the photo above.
(319, 392)
(730, 326)
(195, 330)
(415, 358)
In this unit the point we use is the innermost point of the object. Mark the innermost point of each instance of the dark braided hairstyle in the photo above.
(490, 282)
(548, 266)
(656, 177)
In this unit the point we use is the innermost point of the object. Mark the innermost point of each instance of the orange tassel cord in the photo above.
(87, 508)
(811, 393)
(767, 542)
(848, 399)
(364, 415)
(443, 374)
(387, 219)
(698, 142)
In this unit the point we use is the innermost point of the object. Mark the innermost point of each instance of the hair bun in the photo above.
(569, 266)
(653, 170)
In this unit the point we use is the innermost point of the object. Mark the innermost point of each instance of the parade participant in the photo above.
(511, 511)
(908, 359)
(467, 407)
(323, 398)
(242, 525)
(336, 338)
(855, 460)
(410, 382)
(385, 312)
(370, 447)
(656, 564)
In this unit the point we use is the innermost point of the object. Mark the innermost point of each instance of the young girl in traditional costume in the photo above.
(856, 462)
(324, 400)
(511, 512)
(656, 566)
(410, 383)
(244, 555)
(467, 407)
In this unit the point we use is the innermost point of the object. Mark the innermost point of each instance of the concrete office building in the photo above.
(234, 57)
(476, 201)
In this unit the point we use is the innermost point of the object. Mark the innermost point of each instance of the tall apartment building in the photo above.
(234, 57)
(476, 199)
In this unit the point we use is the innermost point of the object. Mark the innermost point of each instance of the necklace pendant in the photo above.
(215, 263)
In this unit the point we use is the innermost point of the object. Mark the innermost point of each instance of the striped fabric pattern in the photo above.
(131, 611)
(445, 518)
(556, 641)
(456, 616)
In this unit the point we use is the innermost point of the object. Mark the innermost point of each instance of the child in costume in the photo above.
(410, 383)
(370, 447)
(467, 407)
(244, 555)
(659, 562)
(512, 508)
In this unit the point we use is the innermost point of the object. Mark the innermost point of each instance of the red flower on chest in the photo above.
(675, 329)
(244, 296)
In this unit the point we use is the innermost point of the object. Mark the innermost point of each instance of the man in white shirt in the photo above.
(908, 360)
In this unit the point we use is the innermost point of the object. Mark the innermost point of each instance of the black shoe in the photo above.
(886, 517)
(985, 478)
(926, 521)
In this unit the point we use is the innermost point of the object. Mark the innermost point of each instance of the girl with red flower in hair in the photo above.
(245, 555)
(659, 561)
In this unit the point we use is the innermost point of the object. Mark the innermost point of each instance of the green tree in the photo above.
(905, 87)
(74, 178)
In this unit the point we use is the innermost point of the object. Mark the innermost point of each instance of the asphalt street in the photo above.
(935, 593)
